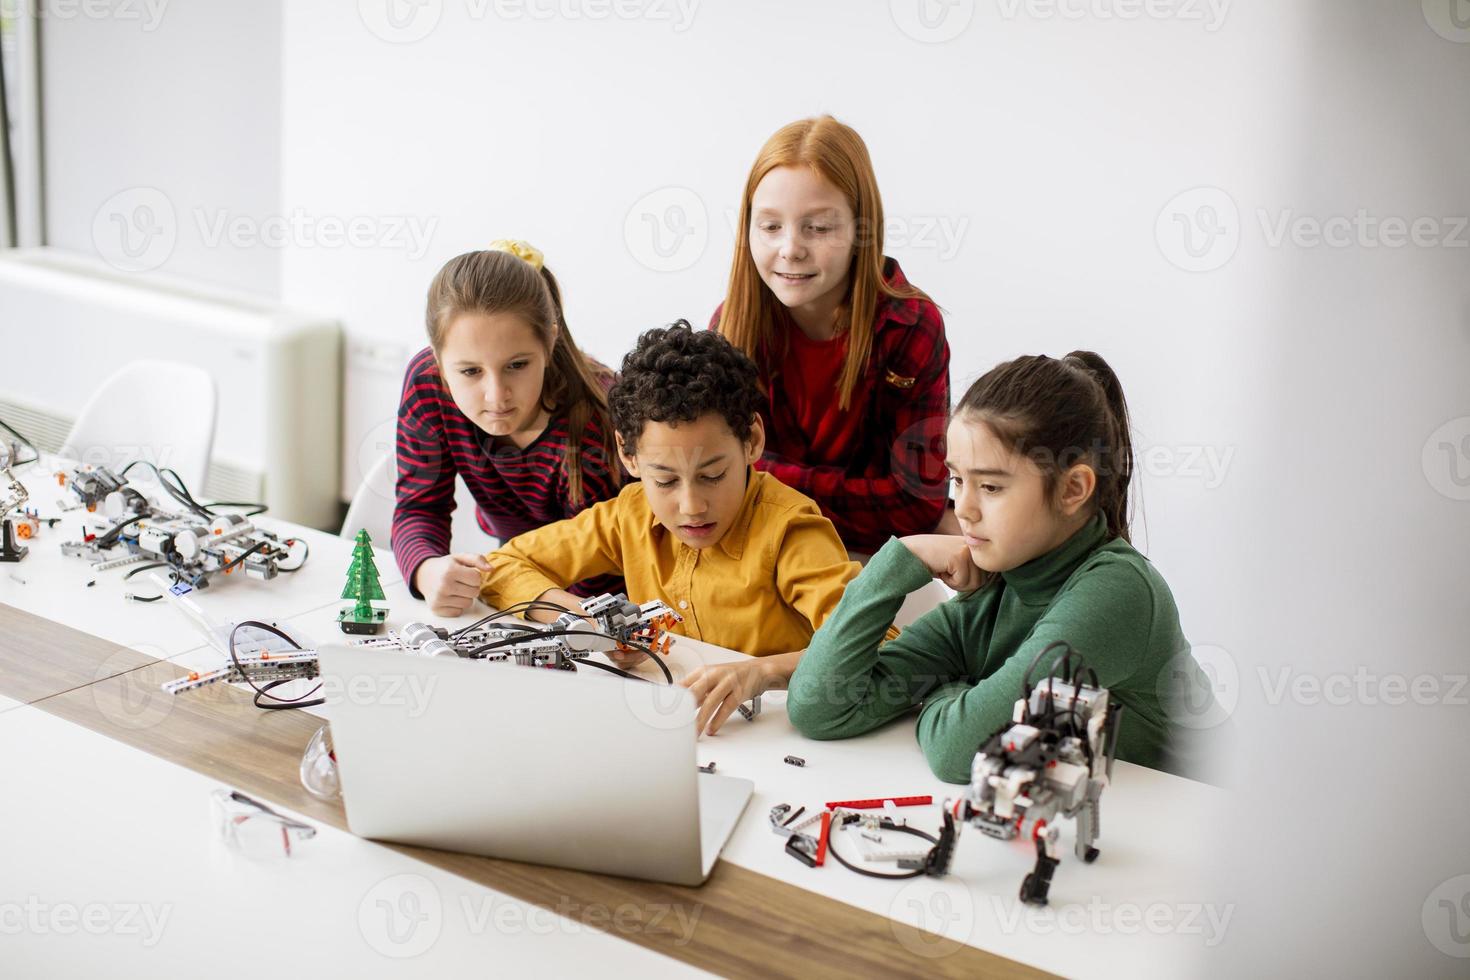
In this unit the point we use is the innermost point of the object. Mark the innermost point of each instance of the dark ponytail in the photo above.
(573, 383)
(1059, 413)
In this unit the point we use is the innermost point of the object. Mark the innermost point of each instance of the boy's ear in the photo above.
(755, 443)
(630, 463)
(1075, 488)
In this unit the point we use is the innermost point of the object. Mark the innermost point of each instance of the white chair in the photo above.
(372, 508)
(161, 412)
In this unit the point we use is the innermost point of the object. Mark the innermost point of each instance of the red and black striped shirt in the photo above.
(877, 468)
(516, 490)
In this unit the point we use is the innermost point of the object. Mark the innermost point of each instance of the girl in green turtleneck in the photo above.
(1041, 459)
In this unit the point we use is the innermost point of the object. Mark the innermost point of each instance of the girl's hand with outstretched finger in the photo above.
(719, 689)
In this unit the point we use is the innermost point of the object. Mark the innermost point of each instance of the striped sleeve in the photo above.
(425, 485)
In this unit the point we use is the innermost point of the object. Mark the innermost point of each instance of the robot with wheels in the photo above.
(12, 495)
(1053, 760)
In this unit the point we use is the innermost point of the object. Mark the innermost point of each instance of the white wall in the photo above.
(1048, 147)
(165, 115)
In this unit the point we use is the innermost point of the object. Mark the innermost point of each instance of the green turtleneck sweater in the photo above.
(962, 663)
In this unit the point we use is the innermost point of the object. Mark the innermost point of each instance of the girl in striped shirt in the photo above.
(503, 398)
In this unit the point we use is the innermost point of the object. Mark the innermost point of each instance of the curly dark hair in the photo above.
(677, 374)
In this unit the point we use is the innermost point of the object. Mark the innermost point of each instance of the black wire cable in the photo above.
(109, 537)
(305, 553)
(531, 605)
(834, 832)
(615, 670)
(512, 640)
(35, 450)
(258, 546)
(260, 692)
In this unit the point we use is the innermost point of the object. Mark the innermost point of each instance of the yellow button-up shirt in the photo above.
(764, 588)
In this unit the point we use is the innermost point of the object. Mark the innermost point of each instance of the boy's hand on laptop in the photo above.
(947, 558)
(719, 689)
(451, 583)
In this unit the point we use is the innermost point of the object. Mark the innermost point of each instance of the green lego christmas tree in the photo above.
(364, 589)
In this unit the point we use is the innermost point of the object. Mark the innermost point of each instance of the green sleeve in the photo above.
(846, 683)
(1106, 616)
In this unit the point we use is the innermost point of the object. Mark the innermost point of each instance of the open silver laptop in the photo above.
(574, 770)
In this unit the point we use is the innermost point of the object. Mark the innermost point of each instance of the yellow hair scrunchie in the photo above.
(521, 250)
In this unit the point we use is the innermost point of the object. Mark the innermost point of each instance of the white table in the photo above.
(1147, 903)
(114, 869)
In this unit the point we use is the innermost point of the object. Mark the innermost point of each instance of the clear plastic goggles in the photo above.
(254, 829)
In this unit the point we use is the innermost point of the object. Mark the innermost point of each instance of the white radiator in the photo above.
(68, 321)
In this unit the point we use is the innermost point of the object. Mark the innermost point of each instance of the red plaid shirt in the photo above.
(892, 480)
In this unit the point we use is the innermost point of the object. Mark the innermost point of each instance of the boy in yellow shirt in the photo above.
(751, 564)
